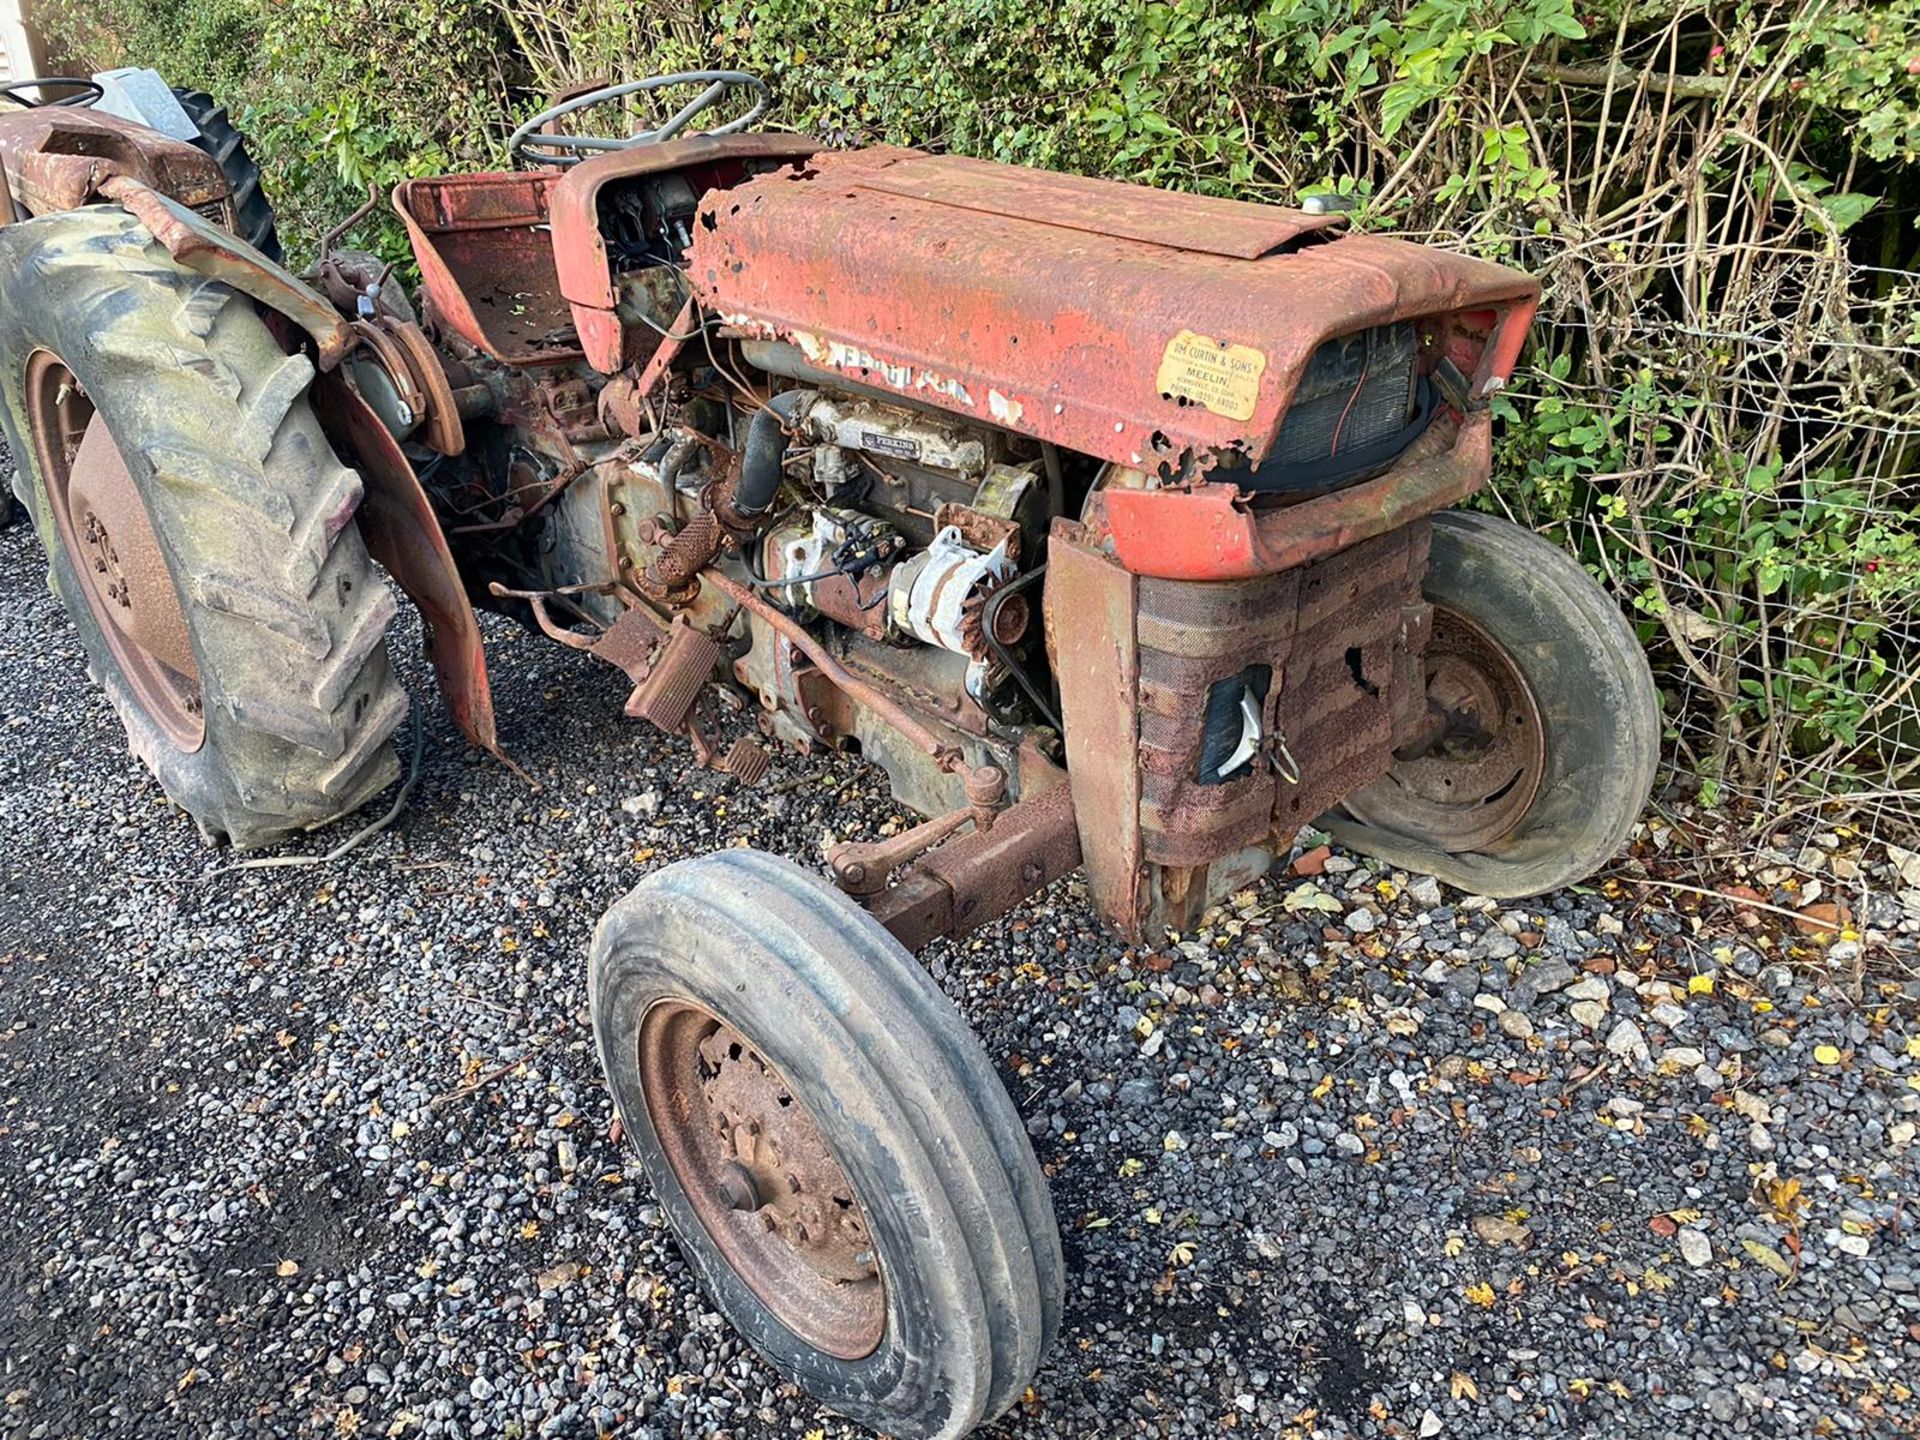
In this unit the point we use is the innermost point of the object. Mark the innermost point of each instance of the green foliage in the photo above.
(1867, 71)
(1800, 575)
(335, 94)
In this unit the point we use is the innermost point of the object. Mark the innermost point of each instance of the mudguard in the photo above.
(203, 247)
(395, 516)
(405, 536)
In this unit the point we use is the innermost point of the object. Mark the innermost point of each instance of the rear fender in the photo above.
(56, 157)
(403, 534)
(205, 248)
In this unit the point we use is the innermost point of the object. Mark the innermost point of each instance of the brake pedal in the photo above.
(680, 671)
(747, 761)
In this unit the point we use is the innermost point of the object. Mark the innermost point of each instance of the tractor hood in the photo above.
(1149, 328)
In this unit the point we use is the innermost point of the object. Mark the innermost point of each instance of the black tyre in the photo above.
(12, 512)
(840, 1163)
(199, 529)
(1554, 731)
(252, 211)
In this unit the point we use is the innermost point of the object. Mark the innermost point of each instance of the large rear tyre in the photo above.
(199, 529)
(843, 1168)
(252, 211)
(1553, 723)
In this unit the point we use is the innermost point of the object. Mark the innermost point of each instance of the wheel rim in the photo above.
(761, 1179)
(108, 536)
(1478, 772)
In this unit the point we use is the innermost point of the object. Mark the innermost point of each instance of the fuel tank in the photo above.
(1161, 331)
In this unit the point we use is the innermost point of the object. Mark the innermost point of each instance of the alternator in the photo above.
(940, 596)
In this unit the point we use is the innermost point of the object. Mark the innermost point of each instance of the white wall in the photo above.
(19, 49)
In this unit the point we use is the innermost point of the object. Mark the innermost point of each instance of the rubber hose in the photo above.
(766, 451)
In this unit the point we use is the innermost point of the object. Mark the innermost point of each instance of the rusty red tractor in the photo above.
(1110, 522)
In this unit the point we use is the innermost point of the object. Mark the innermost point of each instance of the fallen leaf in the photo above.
(1827, 1054)
(1700, 985)
(1784, 1199)
(1823, 918)
(1480, 1293)
(286, 1268)
(1769, 1257)
(560, 1276)
(1498, 1230)
(1752, 1107)
(1461, 1386)
(1311, 897)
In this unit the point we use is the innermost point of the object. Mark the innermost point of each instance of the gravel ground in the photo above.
(325, 1151)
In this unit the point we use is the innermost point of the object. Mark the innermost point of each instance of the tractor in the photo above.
(1113, 524)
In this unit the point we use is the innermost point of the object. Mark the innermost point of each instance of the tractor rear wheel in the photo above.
(840, 1162)
(1552, 723)
(252, 211)
(198, 527)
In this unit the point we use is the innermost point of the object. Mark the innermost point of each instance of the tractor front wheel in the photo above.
(843, 1168)
(1548, 723)
(199, 530)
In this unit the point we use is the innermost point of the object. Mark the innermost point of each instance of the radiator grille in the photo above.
(1358, 404)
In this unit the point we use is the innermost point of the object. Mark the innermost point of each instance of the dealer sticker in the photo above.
(1224, 378)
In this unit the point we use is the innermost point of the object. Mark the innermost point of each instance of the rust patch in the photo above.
(982, 875)
(1062, 297)
(403, 534)
(486, 263)
(1210, 532)
(1090, 605)
(207, 249)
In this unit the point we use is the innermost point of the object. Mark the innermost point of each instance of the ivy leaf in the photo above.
(1846, 210)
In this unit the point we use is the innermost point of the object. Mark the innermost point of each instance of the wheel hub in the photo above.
(1473, 778)
(779, 1167)
(761, 1179)
(110, 543)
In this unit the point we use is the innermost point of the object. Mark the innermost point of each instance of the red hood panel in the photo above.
(1100, 207)
(914, 275)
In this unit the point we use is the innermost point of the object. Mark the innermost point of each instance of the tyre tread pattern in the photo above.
(289, 618)
(936, 1077)
(219, 138)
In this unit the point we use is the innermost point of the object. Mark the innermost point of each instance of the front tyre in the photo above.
(1552, 723)
(840, 1163)
(199, 530)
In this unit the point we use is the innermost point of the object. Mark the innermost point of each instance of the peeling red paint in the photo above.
(914, 288)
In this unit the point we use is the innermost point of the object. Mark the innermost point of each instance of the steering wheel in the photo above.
(528, 144)
(89, 91)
